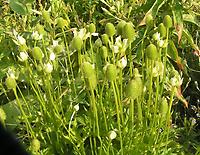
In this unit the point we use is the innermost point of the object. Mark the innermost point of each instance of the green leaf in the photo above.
(178, 19)
(28, 1)
(153, 10)
(187, 34)
(18, 7)
(191, 18)
(12, 114)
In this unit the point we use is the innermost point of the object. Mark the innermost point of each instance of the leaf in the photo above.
(18, 7)
(187, 34)
(191, 18)
(12, 114)
(153, 10)
(28, 1)
(178, 19)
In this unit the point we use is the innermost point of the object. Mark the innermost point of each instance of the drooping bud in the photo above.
(151, 52)
(104, 52)
(110, 29)
(128, 31)
(120, 27)
(149, 20)
(111, 72)
(77, 43)
(37, 53)
(46, 16)
(92, 28)
(134, 88)
(11, 83)
(105, 39)
(162, 30)
(167, 21)
(35, 145)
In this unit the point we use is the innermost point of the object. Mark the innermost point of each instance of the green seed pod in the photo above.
(149, 20)
(77, 43)
(134, 88)
(162, 30)
(11, 83)
(46, 16)
(105, 39)
(92, 28)
(164, 107)
(57, 49)
(37, 53)
(2, 115)
(35, 145)
(111, 72)
(120, 27)
(110, 29)
(128, 31)
(104, 52)
(167, 21)
(151, 52)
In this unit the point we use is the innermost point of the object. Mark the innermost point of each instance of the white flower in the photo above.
(36, 36)
(76, 107)
(112, 135)
(158, 69)
(156, 36)
(95, 34)
(55, 43)
(48, 68)
(11, 73)
(122, 62)
(115, 49)
(21, 40)
(23, 56)
(161, 43)
(81, 33)
(52, 56)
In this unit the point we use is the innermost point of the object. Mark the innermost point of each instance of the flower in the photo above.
(52, 56)
(112, 135)
(23, 56)
(36, 36)
(81, 33)
(156, 36)
(122, 62)
(48, 68)
(76, 107)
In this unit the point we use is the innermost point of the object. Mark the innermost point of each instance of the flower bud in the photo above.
(134, 88)
(105, 39)
(128, 31)
(92, 28)
(149, 20)
(110, 29)
(11, 83)
(112, 135)
(48, 68)
(120, 27)
(151, 52)
(104, 52)
(37, 53)
(167, 21)
(164, 107)
(162, 30)
(111, 72)
(77, 43)
(35, 145)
